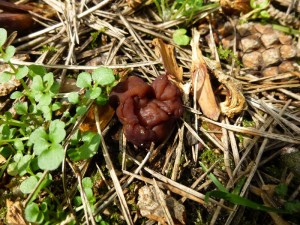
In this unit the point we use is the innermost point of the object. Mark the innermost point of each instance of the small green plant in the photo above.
(46, 48)
(233, 197)
(228, 55)
(44, 213)
(95, 37)
(87, 185)
(47, 145)
(171, 10)
(180, 37)
(260, 9)
(32, 139)
(84, 146)
(97, 86)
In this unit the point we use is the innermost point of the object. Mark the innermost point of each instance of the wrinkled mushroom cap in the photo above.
(147, 113)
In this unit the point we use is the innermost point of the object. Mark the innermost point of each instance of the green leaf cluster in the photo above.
(97, 87)
(32, 140)
(47, 145)
(87, 185)
(260, 7)
(234, 197)
(171, 10)
(86, 148)
(44, 213)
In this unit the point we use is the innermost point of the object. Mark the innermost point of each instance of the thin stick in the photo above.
(113, 174)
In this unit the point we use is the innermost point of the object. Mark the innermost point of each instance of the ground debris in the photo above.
(151, 208)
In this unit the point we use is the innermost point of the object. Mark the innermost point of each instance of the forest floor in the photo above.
(231, 158)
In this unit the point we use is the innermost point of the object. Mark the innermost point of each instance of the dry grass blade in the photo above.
(76, 67)
(190, 129)
(178, 152)
(255, 132)
(162, 203)
(234, 146)
(113, 174)
(281, 121)
(174, 186)
(203, 93)
(169, 187)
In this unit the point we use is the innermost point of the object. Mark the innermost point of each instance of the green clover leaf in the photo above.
(3, 36)
(84, 80)
(103, 76)
(9, 53)
(180, 37)
(57, 131)
(51, 158)
(22, 72)
(73, 97)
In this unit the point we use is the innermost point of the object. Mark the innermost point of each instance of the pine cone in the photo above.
(261, 48)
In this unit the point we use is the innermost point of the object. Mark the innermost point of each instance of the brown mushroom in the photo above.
(147, 112)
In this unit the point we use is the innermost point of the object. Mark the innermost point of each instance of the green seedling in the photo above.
(180, 37)
(32, 139)
(228, 55)
(87, 148)
(87, 186)
(97, 86)
(44, 213)
(29, 184)
(234, 198)
(181, 8)
(259, 7)
(47, 145)
(34, 214)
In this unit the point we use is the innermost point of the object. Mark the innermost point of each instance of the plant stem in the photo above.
(12, 122)
(12, 140)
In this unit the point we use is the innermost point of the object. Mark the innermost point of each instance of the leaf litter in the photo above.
(133, 37)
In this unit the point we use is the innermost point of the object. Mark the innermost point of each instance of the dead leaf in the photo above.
(151, 208)
(14, 213)
(105, 114)
(166, 52)
(235, 101)
(201, 81)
